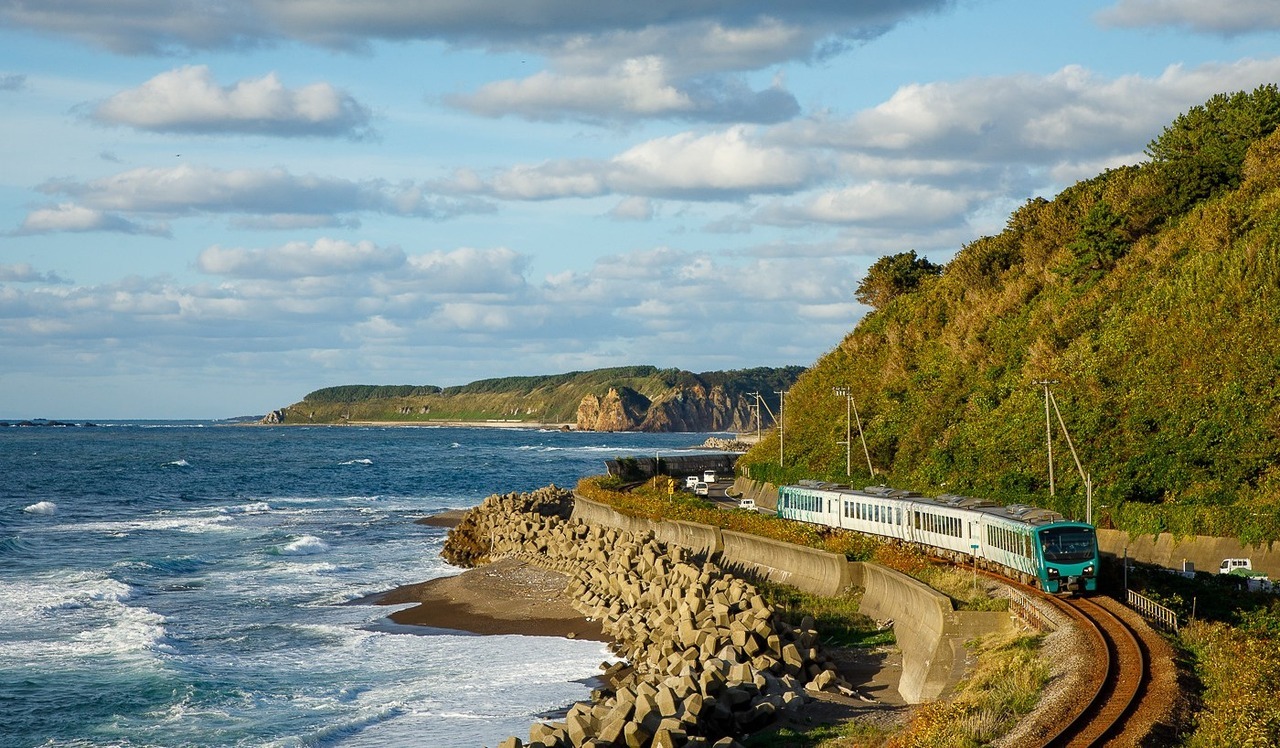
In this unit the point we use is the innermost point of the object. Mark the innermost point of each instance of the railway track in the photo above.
(1122, 672)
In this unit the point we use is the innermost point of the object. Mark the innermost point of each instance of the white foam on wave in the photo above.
(257, 507)
(364, 461)
(307, 545)
(178, 463)
(180, 523)
(42, 507)
(459, 698)
(76, 615)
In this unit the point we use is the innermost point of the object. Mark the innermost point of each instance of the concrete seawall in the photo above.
(814, 571)
(807, 569)
(930, 632)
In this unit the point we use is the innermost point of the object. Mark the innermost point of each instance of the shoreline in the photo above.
(507, 596)
(530, 425)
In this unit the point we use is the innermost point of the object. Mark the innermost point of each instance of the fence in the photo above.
(1025, 610)
(1153, 611)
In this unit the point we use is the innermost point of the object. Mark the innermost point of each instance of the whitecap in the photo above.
(178, 463)
(306, 545)
(365, 461)
(42, 507)
(256, 507)
(455, 445)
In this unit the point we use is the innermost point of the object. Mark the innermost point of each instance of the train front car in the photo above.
(1067, 556)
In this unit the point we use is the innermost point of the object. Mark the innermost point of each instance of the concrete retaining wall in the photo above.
(930, 633)
(764, 494)
(1203, 551)
(814, 571)
(808, 569)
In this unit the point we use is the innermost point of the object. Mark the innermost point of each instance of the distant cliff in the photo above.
(638, 398)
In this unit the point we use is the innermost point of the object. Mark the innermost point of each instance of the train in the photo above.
(1032, 545)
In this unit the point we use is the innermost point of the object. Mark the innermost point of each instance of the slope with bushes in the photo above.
(1149, 296)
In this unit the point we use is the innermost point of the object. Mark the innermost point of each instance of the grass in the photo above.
(1004, 685)
(845, 735)
(837, 619)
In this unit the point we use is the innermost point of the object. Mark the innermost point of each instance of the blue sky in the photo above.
(210, 209)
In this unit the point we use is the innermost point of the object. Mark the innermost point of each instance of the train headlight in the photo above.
(1053, 573)
(1088, 570)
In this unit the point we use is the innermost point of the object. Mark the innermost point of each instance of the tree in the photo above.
(893, 275)
(1202, 153)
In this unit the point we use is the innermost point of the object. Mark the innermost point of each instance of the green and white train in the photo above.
(1032, 545)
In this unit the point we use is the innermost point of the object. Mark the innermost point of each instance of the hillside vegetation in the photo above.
(1149, 295)
(625, 398)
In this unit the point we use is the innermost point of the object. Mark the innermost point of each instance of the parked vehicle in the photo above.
(1229, 565)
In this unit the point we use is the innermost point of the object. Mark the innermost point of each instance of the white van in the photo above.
(748, 504)
(691, 481)
(709, 476)
(1231, 564)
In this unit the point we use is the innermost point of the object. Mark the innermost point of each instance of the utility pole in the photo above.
(1048, 428)
(1086, 477)
(782, 396)
(756, 395)
(848, 429)
(852, 407)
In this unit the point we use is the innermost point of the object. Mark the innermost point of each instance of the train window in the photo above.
(1068, 544)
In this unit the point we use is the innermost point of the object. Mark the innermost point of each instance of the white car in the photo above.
(701, 489)
(748, 504)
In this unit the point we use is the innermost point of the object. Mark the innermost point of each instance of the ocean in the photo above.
(186, 584)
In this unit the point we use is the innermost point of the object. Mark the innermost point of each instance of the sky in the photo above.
(209, 209)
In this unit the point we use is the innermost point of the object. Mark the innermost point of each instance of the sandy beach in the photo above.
(504, 597)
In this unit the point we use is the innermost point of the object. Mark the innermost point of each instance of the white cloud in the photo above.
(633, 209)
(467, 313)
(75, 218)
(638, 87)
(324, 257)
(1224, 17)
(470, 270)
(23, 272)
(273, 195)
(188, 99)
(730, 162)
(727, 164)
(876, 203)
(1071, 113)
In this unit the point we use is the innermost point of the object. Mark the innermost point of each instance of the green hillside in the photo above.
(1149, 295)
(534, 399)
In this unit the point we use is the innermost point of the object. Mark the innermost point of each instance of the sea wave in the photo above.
(364, 461)
(256, 507)
(178, 463)
(307, 545)
(42, 507)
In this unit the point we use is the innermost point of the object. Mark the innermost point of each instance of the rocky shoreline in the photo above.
(705, 661)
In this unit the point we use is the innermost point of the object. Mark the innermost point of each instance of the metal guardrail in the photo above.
(1153, 611)
(1025, 610)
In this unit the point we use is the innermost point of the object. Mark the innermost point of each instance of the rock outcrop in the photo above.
(706, 660)
(688, 408)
